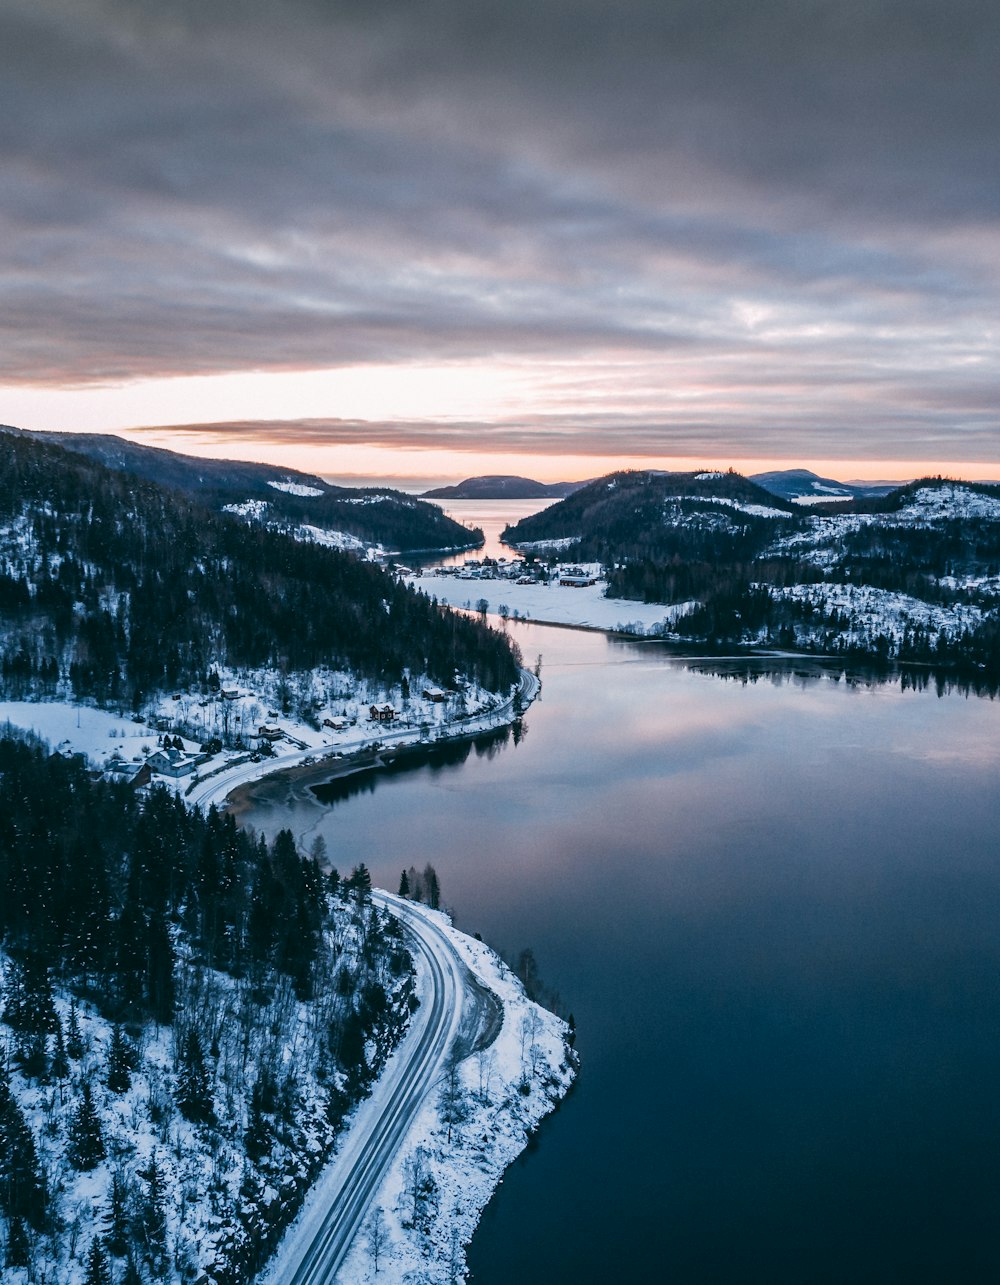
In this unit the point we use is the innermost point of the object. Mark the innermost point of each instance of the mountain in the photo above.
(909, 575)
(282, 497)
(802, 486)
(120, 587)
(633, 510)
(498, 486)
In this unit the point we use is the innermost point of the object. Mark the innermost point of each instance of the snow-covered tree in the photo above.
(86, 1141)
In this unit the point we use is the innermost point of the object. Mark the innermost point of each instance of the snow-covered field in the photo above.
(585, 607)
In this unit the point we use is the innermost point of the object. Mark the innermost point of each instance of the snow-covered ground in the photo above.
(584, 607)
(878, 612)
(495, 1101)
(195, 718)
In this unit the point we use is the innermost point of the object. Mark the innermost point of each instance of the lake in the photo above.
(492, 516)
(772, 903)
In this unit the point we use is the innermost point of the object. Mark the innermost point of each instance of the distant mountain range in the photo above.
(802, 486)
(798, 485)
(346, 517)
(501, 486)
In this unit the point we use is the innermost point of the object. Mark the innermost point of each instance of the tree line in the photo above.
(123, 589)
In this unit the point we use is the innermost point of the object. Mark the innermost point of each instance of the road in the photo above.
(314, 1250)
(216, 788)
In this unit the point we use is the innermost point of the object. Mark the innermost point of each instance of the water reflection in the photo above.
(772, 904)
(434, 758)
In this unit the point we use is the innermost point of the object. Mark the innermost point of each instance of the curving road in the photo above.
(314, 1249)
(216, 788)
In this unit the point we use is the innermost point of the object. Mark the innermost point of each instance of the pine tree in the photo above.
(160, 971)
(23, 1192)
(18, 1244)
(60, 1059)
(74, 1038)
(193, 1094)
(404, 885)
(432, 889)
(119, 1063)
(257, 1138)
(116, 1219)
(98, 1272)
(86, 1142)
(153, 1216)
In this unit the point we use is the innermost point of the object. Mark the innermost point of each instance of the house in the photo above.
(576, 577)
(267, 732)
(437, 694)
(335, 724)
(134, 774)
(171, 762)
(381, 714)
(230, 694)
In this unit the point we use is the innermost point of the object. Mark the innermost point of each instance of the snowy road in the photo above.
(216, 788)
(315, 1247)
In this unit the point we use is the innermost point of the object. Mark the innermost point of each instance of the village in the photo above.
(243, 726)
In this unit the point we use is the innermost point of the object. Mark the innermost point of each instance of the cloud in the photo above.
(791, 204)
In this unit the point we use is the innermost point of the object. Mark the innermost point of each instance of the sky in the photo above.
(551, 237)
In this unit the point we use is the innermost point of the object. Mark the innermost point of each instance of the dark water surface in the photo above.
(774, 909)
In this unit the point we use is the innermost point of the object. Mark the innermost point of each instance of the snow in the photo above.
(202, 1170)
(252, 509)
(560, 544)
(584, 607)
(296, 488)
(100, 734)
(948, 502)
(341, 540)
(507, 1089)
(707, 477)
(873, 612)
(755, 510)
(80, 729)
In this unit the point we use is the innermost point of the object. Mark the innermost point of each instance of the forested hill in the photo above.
(157, 965)
(631, 514)
(125, 587)
(494, 486)
(372, 515)
(912, 575)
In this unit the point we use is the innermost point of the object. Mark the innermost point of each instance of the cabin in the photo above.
(230, 694)
(336, 724)
(436, 694)
(381, 714)
(172, 762)
(134, 774)
(576, 577)
(267, 732)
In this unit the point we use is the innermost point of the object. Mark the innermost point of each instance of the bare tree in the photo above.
(377, 1234)
(452, 1106)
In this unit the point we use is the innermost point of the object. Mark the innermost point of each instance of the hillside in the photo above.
(158, 964)
(299, 503)
(802, 486)
(114, 589)
(914, 574)
(497, 486)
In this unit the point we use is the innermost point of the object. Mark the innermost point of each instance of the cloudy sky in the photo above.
(541, 236)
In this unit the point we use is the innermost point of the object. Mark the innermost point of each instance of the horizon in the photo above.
(442, 243)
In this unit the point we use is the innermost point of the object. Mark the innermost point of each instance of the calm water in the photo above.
(492, 516)
(774, 909)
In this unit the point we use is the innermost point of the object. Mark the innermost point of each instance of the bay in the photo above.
(772, 902)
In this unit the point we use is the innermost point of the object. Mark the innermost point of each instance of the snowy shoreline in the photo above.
(462, 1140)
(504, 1088)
